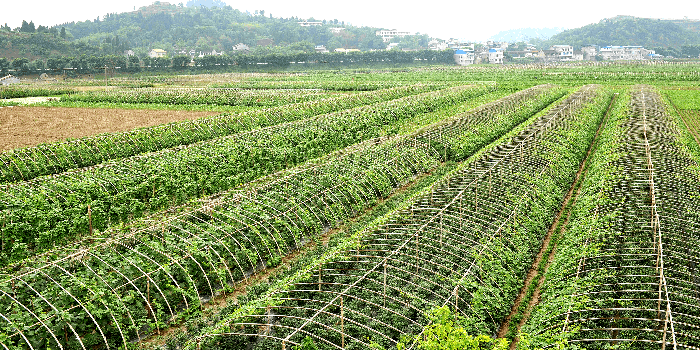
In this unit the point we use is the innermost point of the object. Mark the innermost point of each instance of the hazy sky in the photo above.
(471, 20)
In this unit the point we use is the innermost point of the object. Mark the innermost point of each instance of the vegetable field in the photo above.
(551, 206)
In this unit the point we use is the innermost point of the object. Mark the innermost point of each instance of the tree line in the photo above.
(86, 64)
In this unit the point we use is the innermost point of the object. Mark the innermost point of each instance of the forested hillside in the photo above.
(626, 30)
(194, 27)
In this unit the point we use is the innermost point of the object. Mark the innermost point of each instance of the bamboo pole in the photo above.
(90, 219)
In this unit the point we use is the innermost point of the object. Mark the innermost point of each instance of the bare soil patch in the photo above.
(30, 126)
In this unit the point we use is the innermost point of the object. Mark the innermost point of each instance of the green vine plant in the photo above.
(446, 332)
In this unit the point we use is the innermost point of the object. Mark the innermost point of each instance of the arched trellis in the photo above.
(120, 188)
(446, 220)
(26, 163)
(170, 264)
(640, 278)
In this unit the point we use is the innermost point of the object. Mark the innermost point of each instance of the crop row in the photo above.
(328, 85)
(28, 163)
(466, 243)
(136, 282)
(49, 211)
(152, 270)
(211, 96)
(32, 91)
(625, 272)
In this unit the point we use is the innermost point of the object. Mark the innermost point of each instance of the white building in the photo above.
(321, 49)
(337, 30)
(310, 24)
(464, 57)
(437, 45)
(565, 52)
(157, 53)
(210, 53)
(387, 35)
(589, 52)
(632, 53)
(241, 48)
(496, 56)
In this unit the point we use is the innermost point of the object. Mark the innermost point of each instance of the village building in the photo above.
(388, 35)
(464, 57)
(157, 53)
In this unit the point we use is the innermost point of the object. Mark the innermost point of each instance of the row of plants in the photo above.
(213, 96)
(52, 158)
(323, 84)
(147, 273)
(154, 269)
(49, 211)
(18, 91)
(624, 274)
(684, 99)
(464, 243)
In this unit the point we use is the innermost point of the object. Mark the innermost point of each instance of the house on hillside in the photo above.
(564, 52)
(437, 45)
(210, 53)
(387, 35)
(611, 52)
(157, 53)
(632, 53)
(241, 48)
(496, 56)
(321, 49)
(589, 52)
(464, 57)
(310, 24)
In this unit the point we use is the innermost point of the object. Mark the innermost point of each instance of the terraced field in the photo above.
(525, 207)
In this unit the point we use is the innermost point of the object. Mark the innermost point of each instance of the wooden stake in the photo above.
(342, 324)
(416, 254)
(90, 219)
(384, 283)
(319, 278)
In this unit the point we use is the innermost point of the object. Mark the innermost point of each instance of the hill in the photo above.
(203, 26)
(526, 34)
(627, 30)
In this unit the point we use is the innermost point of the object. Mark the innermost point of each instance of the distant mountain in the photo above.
(525, 34)
(628, 30)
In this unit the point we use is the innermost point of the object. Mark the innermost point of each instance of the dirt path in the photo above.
(564, 212)
(30, 126)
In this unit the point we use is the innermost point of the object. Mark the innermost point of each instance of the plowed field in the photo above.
(30, 126)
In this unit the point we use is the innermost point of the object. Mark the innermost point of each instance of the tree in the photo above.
(21, 64)
(27, 27)
(134, 64)
(55, 63)
(4, 64)
(63, 32)
(181, 61)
